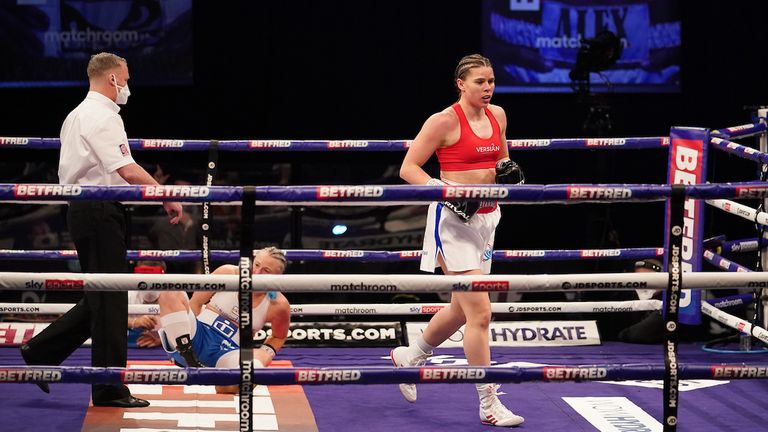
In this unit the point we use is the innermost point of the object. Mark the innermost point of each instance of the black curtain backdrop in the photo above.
(377, 69)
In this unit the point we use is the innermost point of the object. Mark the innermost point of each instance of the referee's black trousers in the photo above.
(98, 231)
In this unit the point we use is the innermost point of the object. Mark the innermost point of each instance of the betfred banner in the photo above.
(524, 333)
(308, 334)
(688, 166)
(17, 333)
(14, 334)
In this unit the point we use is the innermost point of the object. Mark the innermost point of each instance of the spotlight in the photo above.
(339, 229)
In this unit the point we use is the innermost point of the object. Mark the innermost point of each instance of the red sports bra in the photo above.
(470, 151)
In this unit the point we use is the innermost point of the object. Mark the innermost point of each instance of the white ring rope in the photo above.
(735, 323)
(740, 210)
(431, 308)
(374, 309)
(372, 283)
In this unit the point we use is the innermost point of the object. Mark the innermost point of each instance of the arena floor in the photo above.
(704, 405)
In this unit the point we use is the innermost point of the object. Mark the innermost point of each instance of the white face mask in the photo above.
(122, 92)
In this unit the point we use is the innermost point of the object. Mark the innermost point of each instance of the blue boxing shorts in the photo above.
(214, 336)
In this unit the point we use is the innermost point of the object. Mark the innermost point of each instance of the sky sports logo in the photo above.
(481, 286)
(56, 284)
(490, 286)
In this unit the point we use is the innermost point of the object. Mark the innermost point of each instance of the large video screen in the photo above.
(533, 44)
(47, 43)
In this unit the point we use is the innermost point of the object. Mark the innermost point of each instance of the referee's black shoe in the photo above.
(123, 402)
(26, 354)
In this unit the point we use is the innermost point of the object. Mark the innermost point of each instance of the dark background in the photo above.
(377, 69)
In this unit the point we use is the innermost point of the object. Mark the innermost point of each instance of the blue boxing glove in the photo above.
(464, 210)
(508, 172)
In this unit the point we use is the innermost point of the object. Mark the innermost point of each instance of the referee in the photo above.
(94, 151)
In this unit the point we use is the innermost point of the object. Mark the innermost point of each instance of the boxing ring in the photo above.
(604, 382)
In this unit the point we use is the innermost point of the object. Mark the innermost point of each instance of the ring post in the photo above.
(245, 408)
(206, 221)
(762, 113)
(688, 166)
(673, 295)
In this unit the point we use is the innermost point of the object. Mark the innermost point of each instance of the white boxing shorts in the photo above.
(464, 246)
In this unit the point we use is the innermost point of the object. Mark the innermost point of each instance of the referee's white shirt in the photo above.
(94, 144)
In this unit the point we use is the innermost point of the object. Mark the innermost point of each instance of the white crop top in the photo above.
(227, 305)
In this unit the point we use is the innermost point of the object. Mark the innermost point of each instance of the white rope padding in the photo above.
(351, 283)
(380, 308)
(61, 308)
(740, 210)
(735, 323)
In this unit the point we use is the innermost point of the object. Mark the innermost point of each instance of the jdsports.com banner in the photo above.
(379, 334)
(306, 334)
(524, 333)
